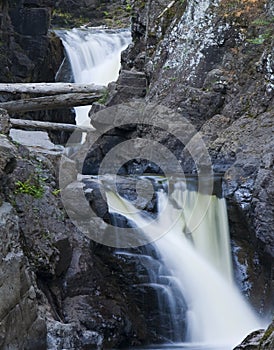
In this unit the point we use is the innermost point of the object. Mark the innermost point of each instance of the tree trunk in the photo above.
(49, 88)
(48, 126)
(50, 102)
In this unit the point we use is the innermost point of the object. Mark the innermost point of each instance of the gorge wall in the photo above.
(211, 61)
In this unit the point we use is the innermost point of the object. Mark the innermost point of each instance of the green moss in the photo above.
(266, 335)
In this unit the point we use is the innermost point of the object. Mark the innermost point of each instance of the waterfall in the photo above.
(94, 56)
(194, 270)
(194, 246)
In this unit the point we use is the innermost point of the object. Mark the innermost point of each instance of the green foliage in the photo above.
(26, 187)
(260, 39)
(262, 22)
(265, 26)
(56, 192)
(128, 6)
(104, 97)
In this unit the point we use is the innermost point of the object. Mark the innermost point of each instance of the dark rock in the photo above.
(130, 84)
(261, 339)
(252, 341)
(7, 156)
(30, 21)
(18, 296)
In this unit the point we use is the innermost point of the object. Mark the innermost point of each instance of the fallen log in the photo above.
(48, 126)
(50, 102)
(50, 88)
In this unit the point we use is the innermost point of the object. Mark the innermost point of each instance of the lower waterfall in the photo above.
(197, 253)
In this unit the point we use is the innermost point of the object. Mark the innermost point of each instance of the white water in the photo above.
(217, 313)
(94, 55)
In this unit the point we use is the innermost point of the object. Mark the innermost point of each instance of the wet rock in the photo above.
(261, 339)
(252, 341)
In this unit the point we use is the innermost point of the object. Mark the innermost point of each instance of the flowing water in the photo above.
(194, 246)
(94, 56)
(194, 269)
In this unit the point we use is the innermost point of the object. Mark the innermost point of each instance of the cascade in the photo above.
(197, 252)
(94, 56)
(193, 270)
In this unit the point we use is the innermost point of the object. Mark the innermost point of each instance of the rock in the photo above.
(207, 68)
(5, 124)
(92, 13)
(259, 340)
(69, 172)
(18, 300)
(252, 341)
(130, 84)
(29, 20)
(267, 341)
(62, 336)
(7, 155)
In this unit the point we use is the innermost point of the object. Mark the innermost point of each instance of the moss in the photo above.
(66, 19)
(266, 335)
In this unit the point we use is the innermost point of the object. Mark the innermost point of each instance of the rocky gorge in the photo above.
(211, 62)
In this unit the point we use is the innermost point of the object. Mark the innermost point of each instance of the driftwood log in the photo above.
(50, 88)
(50, 102)
(47, 126)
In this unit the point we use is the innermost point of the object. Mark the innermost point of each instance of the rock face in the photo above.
(28, 52)
(70, 291)
(213, 63)
(19, 299)
(115, 13)
(18, 293)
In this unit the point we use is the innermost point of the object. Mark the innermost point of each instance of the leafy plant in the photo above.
(56, 192)
(36, 191)
(104, 97)
(128, 6)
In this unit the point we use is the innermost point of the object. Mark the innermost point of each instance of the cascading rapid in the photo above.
(194, 245)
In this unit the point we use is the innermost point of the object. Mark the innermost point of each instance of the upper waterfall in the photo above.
(94, 56)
